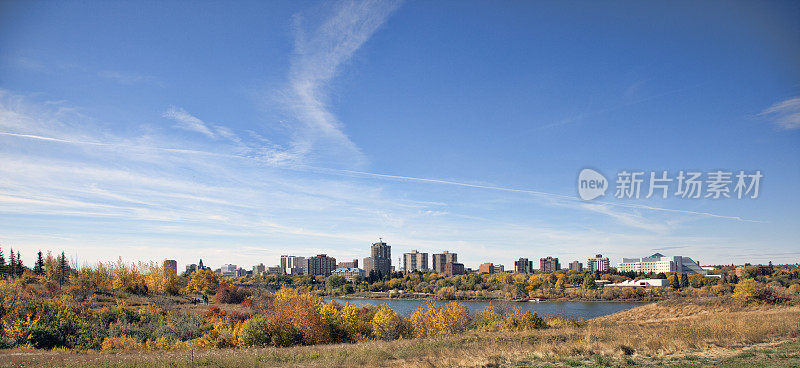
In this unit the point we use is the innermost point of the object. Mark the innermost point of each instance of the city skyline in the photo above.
(253, 130)
(517, 268)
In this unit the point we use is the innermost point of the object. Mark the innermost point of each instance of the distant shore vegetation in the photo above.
(123, 306)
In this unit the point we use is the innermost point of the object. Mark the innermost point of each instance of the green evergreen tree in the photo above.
(63, 269)
(676, 284)
(20, 266)
(12, 264)
(2, 264)
(39, 267)
(684, 280)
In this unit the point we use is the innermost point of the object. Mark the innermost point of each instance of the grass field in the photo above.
(666, 334)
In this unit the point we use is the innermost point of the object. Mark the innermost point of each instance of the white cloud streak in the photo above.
(188, 121)
(129, 79)
(784, 114)
(319, 55)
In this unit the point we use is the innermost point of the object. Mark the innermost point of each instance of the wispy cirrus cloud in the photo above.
(784, 114)
(188, 121)
(140, 195)
(319, 54)
(129, 78)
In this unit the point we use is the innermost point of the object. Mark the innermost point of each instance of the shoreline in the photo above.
(489, 300)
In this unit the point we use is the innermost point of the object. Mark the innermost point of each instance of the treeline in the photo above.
(57, 268)
(566, 284)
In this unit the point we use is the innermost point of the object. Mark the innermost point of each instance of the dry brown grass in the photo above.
(655, 331)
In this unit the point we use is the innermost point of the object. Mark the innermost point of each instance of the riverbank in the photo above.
(425, 296)
(673, 333)
(578, 310)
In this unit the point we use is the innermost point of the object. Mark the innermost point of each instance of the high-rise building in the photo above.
(379, 265)
(576, 266)
(498, 268)
(320, 264)
(660, 263)
(380, 259)
(453, 268)
(381, 250)
(523, 265)
(549, 264)
(353, 264)
(170, 268)
(486, 268)
(293, 265)
(415, 261)
(442, 259)
(597, 264)
(259, 269)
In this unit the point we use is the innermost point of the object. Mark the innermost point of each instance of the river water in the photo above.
(585, 310)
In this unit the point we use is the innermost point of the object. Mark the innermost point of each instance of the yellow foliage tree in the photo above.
(433, 320)
(204, 281)
(747, 290)
(126, 277)
(386, 324)
(349, 318)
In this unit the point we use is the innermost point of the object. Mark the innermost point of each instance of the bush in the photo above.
(488, 319)
(189, 326)
(386, 324)
(770, 295)
(517, 321)
(284, 335)
(747, 290)
(230, 294)
(121, 344)
(433, 320)
(255, 332)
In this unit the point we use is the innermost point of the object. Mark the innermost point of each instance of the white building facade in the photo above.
(643, 283)
(293, 265)
(348, 273)
(660, 263)
(598, 264)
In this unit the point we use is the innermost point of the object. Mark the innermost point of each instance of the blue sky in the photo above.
(238, 132)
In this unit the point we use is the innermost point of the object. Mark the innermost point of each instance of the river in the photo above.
(585, 310)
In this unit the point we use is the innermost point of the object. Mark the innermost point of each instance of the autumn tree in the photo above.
(588, 283)
(560, 283)
(747, 290)
(386, 324)
(334, 281)
(126, 277)
(50, 267)
(204, 281)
